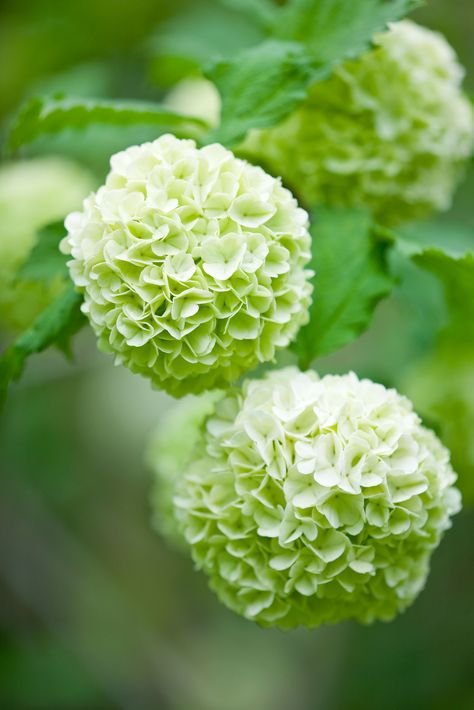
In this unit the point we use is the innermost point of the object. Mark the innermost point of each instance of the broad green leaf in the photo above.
(203, 33)
(263, 11)
(93, 145)
(441, 387)
(259, 87)
(447, 251)
(335, 30)
(49, 115)
(351, 278)
(55, 326)
(45, 262)
(450, 237)
(456, 274)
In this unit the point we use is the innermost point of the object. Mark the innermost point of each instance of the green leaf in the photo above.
(203, 33)
(351, 278)
(48, 115)
(54, 326)
(263, 11)
(456, 273)
(259, 87)
(450, 237)
(446, 250)
(45, 262)
(335, 30)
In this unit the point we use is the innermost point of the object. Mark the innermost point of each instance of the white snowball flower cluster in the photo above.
(390, 130)
(315, 500)
(192, 264)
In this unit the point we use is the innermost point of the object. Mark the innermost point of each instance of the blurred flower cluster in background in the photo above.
(99, 612)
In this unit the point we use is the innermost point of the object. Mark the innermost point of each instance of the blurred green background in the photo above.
(96, 612)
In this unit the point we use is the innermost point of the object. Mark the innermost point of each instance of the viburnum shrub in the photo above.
(304, 499)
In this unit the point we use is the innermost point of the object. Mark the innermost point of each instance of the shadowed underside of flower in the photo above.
(168, 453)
(192, 264)
(311, 501)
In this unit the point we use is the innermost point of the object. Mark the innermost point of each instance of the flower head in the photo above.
(192, 264)
(390, 130)
(314, 500)
(33, 193)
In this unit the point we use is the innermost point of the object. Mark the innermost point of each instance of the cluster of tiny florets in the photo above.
(192, 264)
(314, 500)
(390, 130)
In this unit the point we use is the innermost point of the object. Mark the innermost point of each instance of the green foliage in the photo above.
(259, 87)
(447, 251)
(260, 80)
(45, 262)
(441, 386)
(263, 11)
(452, 238)
(351, 278)
(456, 273)
(202, 34)
(334, 30)
(55, 326)
(49, 115)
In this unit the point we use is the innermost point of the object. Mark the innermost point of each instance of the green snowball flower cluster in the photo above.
(192, 264)
(33, 193)
(311, 501)
(390, 130)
